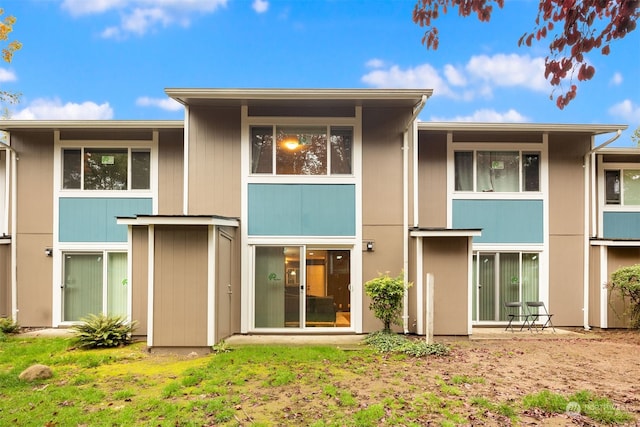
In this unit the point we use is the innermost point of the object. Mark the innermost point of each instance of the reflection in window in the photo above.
(72, 168)
(105, 169)
(301, 150)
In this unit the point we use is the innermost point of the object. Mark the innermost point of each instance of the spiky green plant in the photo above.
(101, 330)
(8, 326)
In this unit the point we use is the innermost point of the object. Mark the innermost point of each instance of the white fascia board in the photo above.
(445, 233)
(520, 127)
(628, 243)
(9, 125)
(164, 220)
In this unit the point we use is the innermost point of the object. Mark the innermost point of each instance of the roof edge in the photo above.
(596, 129)
(9, 124)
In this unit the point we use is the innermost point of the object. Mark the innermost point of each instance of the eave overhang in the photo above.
(593, 129)
(179, 220)
(10, 125)
(444, 232)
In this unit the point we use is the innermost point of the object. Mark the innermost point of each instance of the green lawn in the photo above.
(248, 385)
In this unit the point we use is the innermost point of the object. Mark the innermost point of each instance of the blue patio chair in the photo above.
(538, 311)
(521, 314)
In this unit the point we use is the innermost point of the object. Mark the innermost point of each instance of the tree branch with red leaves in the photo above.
(585, 25)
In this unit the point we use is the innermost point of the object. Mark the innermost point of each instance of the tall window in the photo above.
(92, 285)
(622, 187)
(106, 169)
(301, 150)
(497, 171)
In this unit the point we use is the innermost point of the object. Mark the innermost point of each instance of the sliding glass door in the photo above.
(500, 277)
(93, 286)
(301, 287)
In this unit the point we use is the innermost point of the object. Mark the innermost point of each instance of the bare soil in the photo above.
(606, 363)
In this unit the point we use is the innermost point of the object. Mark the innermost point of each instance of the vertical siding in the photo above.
(214, 161)
(566, 227)
(140, 278)
(616, 307)
(432, 180)
(5, 280)
(170, 172)
(34, 227)
(381, 197)
(595, 286)
(447, 258)
(180, 286)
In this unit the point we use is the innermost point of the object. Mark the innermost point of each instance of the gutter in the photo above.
(405, 202)
(590, 208)
(14, 223)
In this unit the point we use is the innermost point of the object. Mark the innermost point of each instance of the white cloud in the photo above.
(168, 104)
(627, 111)
(616, 79)
(7, 76)
(509, 70)
(54, 109)
(260, 6)
(478, 78)
(141, 16)
(485, 115)
(375, 63)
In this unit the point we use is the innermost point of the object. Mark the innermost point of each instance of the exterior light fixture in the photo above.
(48, 252)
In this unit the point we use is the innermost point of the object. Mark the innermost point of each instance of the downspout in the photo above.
(405, 202)
(590, 208)
(14, 223)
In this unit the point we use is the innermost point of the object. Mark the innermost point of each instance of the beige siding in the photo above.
(180, 286)
(447, 258)
(595, 286)
(34, 227)
(233, 232)
(432, 180)
(170, 172)
(140, 278)
(214, 161)
(5, 281)
(616, 307)
(566, 228)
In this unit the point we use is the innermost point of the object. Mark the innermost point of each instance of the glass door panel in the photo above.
(117, 284)
(486, 286)
(277, 286)
(82, 286)
(328, 298)
(509, 281)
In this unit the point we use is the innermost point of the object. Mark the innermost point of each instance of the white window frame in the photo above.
(601, 184)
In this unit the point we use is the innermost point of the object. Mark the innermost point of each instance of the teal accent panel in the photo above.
(501, 221)
(93, 219)
(302, 210)
(621, 225)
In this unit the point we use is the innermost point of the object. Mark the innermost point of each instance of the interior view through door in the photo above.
(302, 287)
(500, 277)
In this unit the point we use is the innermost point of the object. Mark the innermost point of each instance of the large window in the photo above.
(622, 187)
(94, 282)
(497, 171)
(301, 150)
(106, 169)
(501, 277)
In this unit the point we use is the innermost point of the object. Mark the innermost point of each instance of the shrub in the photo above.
(100, 331)
(386, 298)
(626, 281)
(386, 342)
(8, 326)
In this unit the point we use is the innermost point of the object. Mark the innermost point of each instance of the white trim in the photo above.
(185, 175)
(630, 243)
(445, 233)
(211, 284)
(604, 291)
(178, 220)
(472, 285)
(56, 309)
(451, 178)
(130, 272)
(154, 158)
(6, 184)
(150, 283)
(246, 251)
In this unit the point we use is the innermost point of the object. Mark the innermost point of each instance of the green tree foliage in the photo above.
(626, 281)
(583, 25)
(386, 298)
(635, 137)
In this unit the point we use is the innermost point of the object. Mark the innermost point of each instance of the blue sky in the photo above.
(112, 59)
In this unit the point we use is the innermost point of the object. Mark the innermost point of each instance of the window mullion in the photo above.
(82, 168)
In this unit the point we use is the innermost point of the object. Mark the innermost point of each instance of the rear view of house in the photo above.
(265, 210)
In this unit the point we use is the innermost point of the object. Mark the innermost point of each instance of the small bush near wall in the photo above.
(8, 326)
(386, 298)
(626, 282)
(101, 330)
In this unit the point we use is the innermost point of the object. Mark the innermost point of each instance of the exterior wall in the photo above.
(180, 299)
(432, 180)
(34, 226)
(382, 220)
(619, 257)
(595, 287)
(170, 172)
(566, 228)
(214, 161)
(5, 280)
(447, 258)
(139, 278)
(228, 307)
